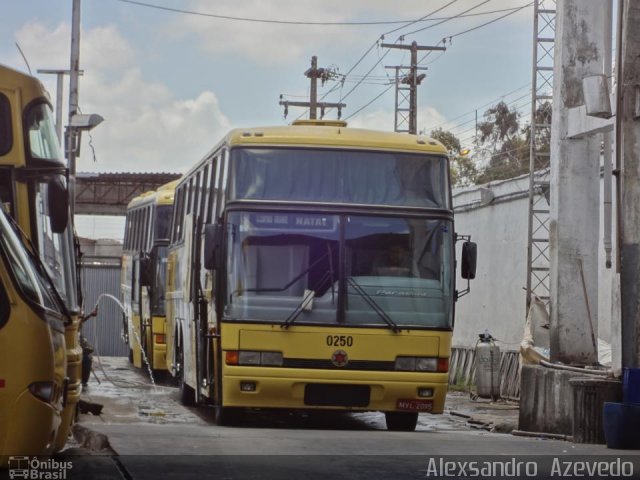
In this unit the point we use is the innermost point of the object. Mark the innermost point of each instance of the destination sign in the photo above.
(293, 221)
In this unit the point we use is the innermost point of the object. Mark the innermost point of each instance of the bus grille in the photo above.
(321, 364)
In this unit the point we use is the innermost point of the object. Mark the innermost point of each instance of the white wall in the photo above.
(497, 301)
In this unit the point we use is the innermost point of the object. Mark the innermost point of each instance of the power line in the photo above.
(516, 10)
(380, 58)
(293, 22)
(509, 12)
(364, 55)
(440, 23)
(492, 102)
(370, 102)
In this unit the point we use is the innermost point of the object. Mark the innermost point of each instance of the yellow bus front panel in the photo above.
(74, 379)
(29, 425)
(319, 364)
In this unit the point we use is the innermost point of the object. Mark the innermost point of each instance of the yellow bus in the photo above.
(33, 188)
(312, 266)
(32, 350)
(144, 265)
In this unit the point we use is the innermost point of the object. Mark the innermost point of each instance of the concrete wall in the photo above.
(497, 301)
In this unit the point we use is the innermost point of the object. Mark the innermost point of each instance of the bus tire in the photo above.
(227, 416)
(187, 394)
(131, 356)
(401, 421)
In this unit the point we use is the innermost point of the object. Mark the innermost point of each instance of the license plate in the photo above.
(415, 405)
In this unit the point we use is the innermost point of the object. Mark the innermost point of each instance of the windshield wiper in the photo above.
(372, 303)
(306, 299)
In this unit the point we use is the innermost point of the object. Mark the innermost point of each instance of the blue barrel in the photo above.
(621, 425)
(631, 386)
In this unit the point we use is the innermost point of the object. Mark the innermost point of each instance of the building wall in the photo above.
(497, 301)
(102, 276)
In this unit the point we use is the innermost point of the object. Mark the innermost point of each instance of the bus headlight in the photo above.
(426, 364)
(251, 358)
(422, 364)
(248, 358)
(271, 359)
(407, 364)
(43, 391)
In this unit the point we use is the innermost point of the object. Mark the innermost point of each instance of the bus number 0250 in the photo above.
(339, 341)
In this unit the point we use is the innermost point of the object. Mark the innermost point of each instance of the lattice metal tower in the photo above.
(403, 100)
(538, 262)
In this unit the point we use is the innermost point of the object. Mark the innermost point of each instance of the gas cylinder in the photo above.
(487, 367)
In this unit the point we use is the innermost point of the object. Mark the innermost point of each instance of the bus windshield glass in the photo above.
(340, 176)
(163, 222)
(380, 271)
(28, 277)
(43, 141)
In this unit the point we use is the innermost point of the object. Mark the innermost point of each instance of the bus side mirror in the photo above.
(212, 244)
(58, 198)
(146, 272)
(469, 259)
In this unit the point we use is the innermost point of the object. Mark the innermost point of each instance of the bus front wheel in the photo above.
(187, 394)
(401, 421)
(227, 416)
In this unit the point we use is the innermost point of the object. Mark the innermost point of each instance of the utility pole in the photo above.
(77, 122)
(413, 80)
(575, 186)
(628, 123)
(72, 133)
(313, 74)
(59, 94)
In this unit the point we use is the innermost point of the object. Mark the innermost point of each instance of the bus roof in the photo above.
(30, 87)
(162, 196)
(333, 134)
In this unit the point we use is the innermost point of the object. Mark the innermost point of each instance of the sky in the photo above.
(169, 84)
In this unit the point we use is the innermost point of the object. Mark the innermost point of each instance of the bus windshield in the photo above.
(163, 222)
(340, 176)
(29, 278)
(43, 141)
(348, 269)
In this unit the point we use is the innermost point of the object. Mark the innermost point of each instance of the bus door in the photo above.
(136, 336)
(211, 254)
(200, 313)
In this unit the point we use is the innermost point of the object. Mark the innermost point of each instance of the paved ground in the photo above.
(144, 432)
(129, 397)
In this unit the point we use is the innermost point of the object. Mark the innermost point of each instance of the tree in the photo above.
(501, 143)
(463, 169)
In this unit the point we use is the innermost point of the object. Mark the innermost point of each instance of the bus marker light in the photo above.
(425, 392)
(443, 365)
(248, 386)
(1, 382)
(231, 357)
(160, 338)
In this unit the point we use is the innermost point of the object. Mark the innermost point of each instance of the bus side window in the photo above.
(196, 196)
(6, 134)
(215, 174)
(204, 195)
(148, 224)
(175, 226)
(152, 226)
(224, 175)
(179, 215)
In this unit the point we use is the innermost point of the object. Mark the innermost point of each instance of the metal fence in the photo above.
(102, 275)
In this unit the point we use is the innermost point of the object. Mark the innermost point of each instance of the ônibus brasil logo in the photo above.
(33, 468)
